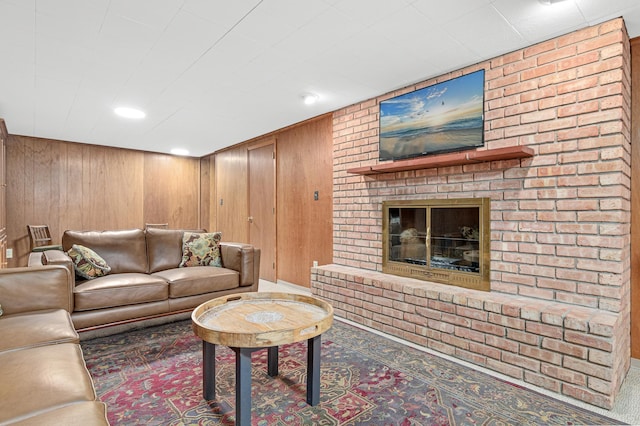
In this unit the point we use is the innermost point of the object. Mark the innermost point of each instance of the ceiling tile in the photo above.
(537, 22)
(240, 67)
(443, 12)
(151, 13)
(228, 13)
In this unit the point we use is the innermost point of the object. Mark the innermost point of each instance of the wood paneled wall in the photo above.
(304, 225)
(86, 187)
(207, 193)
(303, 166)
(172, 190)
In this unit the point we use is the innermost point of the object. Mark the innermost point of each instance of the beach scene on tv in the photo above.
(445, 117)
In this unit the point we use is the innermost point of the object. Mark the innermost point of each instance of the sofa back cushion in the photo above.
(164, 248)
(124, 251)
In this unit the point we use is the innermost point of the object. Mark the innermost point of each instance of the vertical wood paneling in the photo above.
(19, 200)
(208, 193)
(122, 168)
(76, 186)
(262, 205)
(635, 198)
(213, 213)
(205, 191)
(44, 179)
(232, 209)
(86, 187)
(71, 211)
(172, 191)
(304, 225)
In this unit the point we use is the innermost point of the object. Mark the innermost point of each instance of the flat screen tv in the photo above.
(445, 117)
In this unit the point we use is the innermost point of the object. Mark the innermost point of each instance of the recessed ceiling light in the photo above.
(309, 98)
(129, 112)
(549, 2)
(179, 151)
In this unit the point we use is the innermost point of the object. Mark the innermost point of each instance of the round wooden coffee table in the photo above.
(252, 321)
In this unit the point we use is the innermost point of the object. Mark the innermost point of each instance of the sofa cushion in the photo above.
(42, 378)
(198, 280)
(87, 263)
(164, 248)
(34, 288)
(201, 249)
(86, 413)
(124, 251)
(36, 328)
(119, 290)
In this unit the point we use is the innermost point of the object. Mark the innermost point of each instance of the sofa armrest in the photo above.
(58, 257)
(35, 259)
(243, 258)
(34, 288)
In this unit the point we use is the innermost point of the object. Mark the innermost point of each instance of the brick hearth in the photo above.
(560, 347)
(557, 315)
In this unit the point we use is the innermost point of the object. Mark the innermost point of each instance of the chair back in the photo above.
(39, 235)
(156, 225)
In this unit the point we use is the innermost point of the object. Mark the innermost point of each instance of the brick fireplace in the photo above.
(557, 315)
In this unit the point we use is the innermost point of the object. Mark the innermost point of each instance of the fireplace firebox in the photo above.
(445, 241)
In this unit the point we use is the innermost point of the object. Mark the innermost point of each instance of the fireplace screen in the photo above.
(438, 240)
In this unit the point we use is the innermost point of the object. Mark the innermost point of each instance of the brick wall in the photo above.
(560, 221)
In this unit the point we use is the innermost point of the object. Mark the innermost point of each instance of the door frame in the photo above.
(274, 248)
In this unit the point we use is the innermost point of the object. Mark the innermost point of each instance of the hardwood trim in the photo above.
(448, 159)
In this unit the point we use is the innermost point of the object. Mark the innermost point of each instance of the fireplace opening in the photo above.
(445, 241)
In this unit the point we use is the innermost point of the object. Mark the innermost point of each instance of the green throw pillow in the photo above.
(87, 263)
(201, 249)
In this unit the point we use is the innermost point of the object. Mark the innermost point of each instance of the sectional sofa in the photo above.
(43, 377)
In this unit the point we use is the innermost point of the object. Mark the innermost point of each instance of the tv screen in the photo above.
(445, 117)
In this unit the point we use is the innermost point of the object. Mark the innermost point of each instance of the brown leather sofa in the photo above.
(145, 281)
(43, 376)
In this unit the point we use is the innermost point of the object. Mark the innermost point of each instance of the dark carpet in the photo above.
(153, 376)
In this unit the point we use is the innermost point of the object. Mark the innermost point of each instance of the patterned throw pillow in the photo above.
(87, 263)
(201, 249)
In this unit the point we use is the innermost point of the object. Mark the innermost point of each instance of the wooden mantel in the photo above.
(448, 159)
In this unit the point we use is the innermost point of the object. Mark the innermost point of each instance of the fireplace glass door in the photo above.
(438, 240)
(455, 238)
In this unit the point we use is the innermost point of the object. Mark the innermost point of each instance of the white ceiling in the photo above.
(213, 73)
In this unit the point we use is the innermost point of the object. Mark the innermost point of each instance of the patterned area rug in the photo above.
(153, 376)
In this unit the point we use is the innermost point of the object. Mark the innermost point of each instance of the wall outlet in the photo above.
(9, 253)
(315, 263)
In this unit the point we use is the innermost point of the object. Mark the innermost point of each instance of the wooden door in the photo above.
(231, 193)
(262, 206)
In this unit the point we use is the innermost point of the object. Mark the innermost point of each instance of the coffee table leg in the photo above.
(208, 370)
(272, 361)
(313, 370)
(243, 385)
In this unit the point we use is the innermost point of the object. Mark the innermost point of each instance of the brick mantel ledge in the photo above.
(567, 349)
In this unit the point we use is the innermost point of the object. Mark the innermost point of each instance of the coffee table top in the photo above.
(257, 320)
